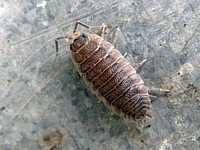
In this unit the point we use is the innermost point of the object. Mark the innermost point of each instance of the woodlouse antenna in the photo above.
(103, 28)
(68, 38)
(80, 23)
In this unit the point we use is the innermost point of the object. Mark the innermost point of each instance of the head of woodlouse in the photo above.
(79, 42)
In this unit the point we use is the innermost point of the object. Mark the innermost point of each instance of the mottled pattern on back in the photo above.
(111, 77)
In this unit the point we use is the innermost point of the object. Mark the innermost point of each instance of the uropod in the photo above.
(109, 74)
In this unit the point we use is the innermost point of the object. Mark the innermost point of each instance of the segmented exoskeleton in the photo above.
(109, 75)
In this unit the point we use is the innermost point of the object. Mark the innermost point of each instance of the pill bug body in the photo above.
(111, 77)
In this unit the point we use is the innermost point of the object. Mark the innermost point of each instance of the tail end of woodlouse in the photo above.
(143, 120)
(140, 122)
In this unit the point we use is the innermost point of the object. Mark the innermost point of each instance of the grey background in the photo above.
(40, 96)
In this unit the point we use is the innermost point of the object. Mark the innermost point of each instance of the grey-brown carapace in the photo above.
(110, 76)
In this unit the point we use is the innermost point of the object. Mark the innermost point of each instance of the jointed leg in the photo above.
(115, 37)
(70, 39)
(56, 42)
(152, 96)
(80, 23)
(139, 65)
(125, 54)
(164, 91)
(103, 30)
(61, 38)
(158, 89)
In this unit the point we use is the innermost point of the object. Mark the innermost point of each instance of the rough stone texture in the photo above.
(41, 97)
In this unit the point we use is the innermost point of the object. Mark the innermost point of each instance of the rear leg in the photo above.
(158, 89)
(155, 91)
(151, 90)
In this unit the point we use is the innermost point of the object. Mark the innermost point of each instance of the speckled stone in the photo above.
(40, 95)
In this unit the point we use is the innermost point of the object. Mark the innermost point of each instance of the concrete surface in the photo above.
(44, 106)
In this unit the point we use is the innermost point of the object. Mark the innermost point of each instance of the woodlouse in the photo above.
(109, 75)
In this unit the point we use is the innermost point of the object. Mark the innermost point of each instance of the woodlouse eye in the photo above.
(76, 40)
(84, 35)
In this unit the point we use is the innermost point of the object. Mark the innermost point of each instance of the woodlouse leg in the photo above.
(165, 91)
(125, 55)
(152, 96)
(115, 37)
(139, 65)
(158, 89)
(70, 39)
(80, 23)
(103, 30)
